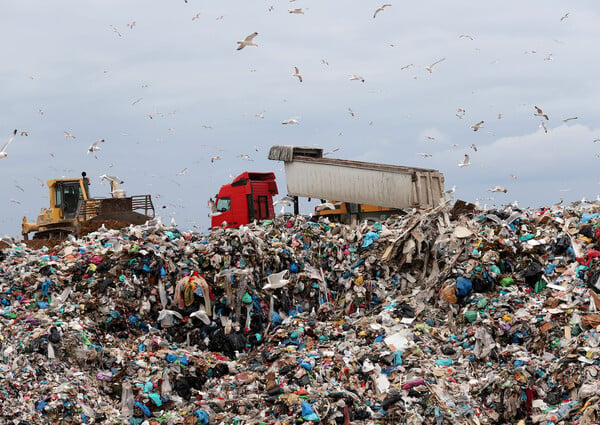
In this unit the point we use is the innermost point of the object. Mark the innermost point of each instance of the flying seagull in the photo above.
(298, 11)
(285, 200)
(69, 135)
(290, 121)
(540, 113)
(114, 181)
(3, 153)
(116, 31)
(465, 162)
(94, 146)
(430, 67)
(355, 77)
(111, 179)
(477, 126)
(325, 206)
(297, 74)
(248, 41)
(498, 189)
(380, 9)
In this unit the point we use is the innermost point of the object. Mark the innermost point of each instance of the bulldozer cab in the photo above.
(68, 194)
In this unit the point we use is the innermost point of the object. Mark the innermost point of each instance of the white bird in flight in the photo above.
(465, 162)
(248, 41)
(285, 200)
(3, 153)
(498, 189)
(215, 158)
(290, 121)
(424, 155)
(116, 31)
(298, 11)
(355, 77)
(94, 146)
(111, 179)
(540, 113)
(69, 135)
(325, 206)
(331, 151)
(182, 172)
(477, 126)
(297, 74)
(380, 9)
(429, 68)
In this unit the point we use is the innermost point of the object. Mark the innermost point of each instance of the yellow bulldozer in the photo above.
(73, 211)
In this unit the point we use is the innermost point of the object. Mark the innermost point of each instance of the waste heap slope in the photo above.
(440, 316)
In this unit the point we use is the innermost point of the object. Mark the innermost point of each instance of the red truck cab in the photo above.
(249, 197)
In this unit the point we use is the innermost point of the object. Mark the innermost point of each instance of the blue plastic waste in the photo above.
(463, 286)
(308, 413)
(370, 237)
(143, 408)
(202, 416)
(276, 319)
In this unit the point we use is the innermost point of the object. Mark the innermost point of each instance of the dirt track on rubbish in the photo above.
(89, 227)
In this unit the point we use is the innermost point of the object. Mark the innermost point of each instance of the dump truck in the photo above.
(356, 190)
(72, 210)
(348, 190)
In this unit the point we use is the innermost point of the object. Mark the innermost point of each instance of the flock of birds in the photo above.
(251, 41)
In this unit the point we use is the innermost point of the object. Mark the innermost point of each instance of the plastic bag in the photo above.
(166, 388)
(127, 400)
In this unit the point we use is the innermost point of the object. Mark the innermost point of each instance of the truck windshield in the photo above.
(223, 204)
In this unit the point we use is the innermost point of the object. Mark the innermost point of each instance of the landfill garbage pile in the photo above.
(448, 316)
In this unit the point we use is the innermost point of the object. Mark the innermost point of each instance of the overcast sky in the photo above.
(101, 69)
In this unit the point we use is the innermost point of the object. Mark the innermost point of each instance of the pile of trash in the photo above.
(451, 315)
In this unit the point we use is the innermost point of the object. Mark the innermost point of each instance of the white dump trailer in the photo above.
(310, 174)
